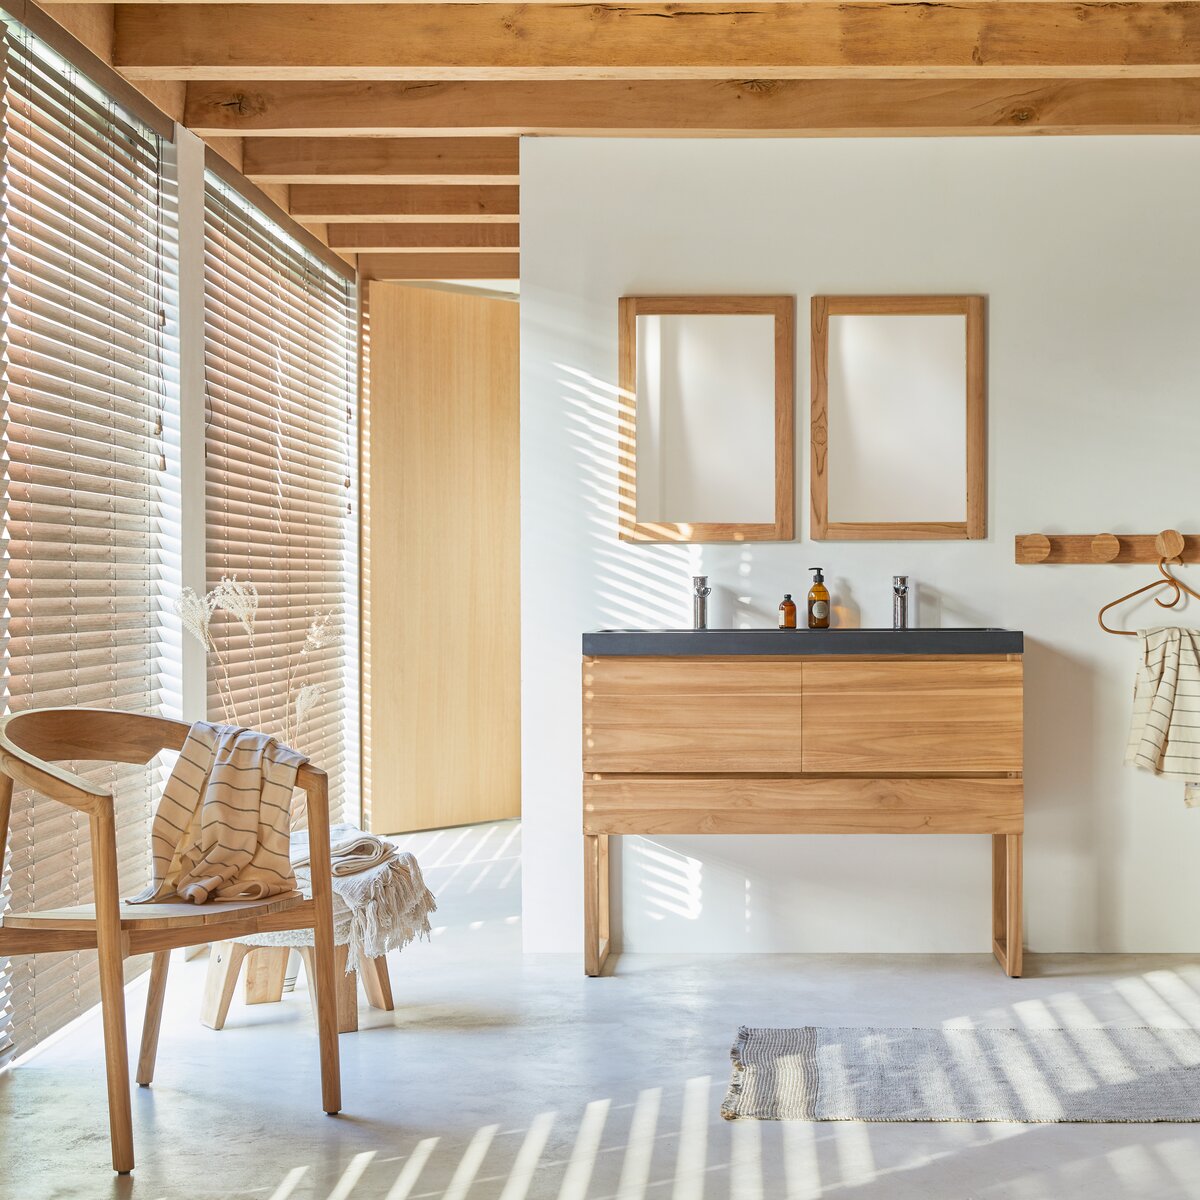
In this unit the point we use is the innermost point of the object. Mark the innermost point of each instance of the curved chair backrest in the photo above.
(32, 743)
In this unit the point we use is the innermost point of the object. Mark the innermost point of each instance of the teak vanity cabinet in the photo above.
(761, 742)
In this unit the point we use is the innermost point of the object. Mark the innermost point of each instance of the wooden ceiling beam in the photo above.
(455, 204)
(423, 238)
(382, 160)
(810, 39)
(438, 266)
(368, 3)
(692, 108)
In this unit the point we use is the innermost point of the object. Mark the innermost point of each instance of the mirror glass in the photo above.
(706, 418)
(897, 418)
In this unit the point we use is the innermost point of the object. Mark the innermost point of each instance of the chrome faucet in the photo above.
(899, 601)
(700, 594)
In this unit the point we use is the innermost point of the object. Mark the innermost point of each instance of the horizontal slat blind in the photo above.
(89, 359)
(364, 548)
(280, 467)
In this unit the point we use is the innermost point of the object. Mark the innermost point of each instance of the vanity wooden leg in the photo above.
(1007, 906)
(595, 902)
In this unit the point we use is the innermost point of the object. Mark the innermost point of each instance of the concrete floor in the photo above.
(503, 1077)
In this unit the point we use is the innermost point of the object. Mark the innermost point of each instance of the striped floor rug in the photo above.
(1022, 1075)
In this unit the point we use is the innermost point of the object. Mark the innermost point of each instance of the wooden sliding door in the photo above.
(442, 648)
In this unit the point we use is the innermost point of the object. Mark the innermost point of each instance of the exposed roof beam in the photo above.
(762, 107)
(382, 160)
(367, 3)
(422, 238)
(402, 202)
(805, 40)
(438, 266)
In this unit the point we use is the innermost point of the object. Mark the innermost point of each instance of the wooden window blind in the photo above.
(281, 477)
(89, 362)
(364, 547)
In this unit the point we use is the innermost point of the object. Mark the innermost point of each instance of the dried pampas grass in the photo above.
(239, 599)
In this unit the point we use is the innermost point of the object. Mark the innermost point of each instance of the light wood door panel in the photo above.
(749, 804)
(922, 717)
(444, 609)
(681, 715)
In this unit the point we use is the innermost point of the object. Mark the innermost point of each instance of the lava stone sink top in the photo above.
(687, 643)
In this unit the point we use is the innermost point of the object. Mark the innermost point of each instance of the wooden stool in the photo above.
(265, 976)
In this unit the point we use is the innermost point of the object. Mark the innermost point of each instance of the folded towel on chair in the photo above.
(352, 853)
(380, 888)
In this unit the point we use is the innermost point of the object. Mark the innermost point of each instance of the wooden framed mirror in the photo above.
(898, 418)
(707, 418)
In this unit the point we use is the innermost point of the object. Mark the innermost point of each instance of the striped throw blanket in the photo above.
(1165, 734)
(221, 831)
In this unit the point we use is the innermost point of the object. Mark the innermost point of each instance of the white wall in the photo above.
(1089, 253)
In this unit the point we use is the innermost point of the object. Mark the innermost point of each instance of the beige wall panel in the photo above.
(444, 529)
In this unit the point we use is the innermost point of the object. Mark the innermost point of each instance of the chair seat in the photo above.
(152, 916)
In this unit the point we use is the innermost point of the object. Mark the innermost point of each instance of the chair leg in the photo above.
(224, 966)
(323, 955)
(376, 983)
(110, 948)
(116, 1056)
(153, 1021)
(265, 973)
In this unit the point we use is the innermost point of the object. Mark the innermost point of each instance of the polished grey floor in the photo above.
(503, 1077)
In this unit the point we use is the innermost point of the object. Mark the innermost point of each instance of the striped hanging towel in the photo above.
(1165, 734)
(221, 831)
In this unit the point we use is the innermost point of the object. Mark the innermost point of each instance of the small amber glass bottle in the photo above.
(818, 601)
(787, 612)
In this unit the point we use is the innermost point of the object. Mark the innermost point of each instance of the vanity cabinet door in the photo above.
(937, 718)
(672, 715)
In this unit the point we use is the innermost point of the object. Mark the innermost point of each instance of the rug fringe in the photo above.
(729, 1105)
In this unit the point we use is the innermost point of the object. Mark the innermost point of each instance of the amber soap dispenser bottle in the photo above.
(818, 601)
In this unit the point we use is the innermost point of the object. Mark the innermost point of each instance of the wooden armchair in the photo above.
(31, 743)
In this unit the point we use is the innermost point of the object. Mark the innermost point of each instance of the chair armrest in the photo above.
(33, 741)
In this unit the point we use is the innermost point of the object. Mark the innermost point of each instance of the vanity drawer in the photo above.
(932, 717)
(664, 715)
(773, 804)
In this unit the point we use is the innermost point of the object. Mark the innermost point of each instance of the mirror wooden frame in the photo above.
(975, 525)
(783, 309)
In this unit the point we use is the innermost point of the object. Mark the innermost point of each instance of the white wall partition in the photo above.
(1093, 287)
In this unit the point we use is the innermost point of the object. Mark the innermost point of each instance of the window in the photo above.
(90, 502)
(280, 472)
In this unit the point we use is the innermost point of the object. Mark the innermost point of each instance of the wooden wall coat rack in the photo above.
(1170, 544)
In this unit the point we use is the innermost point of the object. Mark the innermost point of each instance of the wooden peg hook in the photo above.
(1036, 547)
(1169, 544)
(1106, 546)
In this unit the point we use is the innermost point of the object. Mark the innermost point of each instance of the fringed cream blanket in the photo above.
(380, 901)
(221, 829)
(1165, 734)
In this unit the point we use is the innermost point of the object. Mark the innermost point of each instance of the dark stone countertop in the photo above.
(687, 643)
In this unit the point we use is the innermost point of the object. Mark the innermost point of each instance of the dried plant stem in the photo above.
(226, 692)
(293, 671)
(227, 702)
(258, 698)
